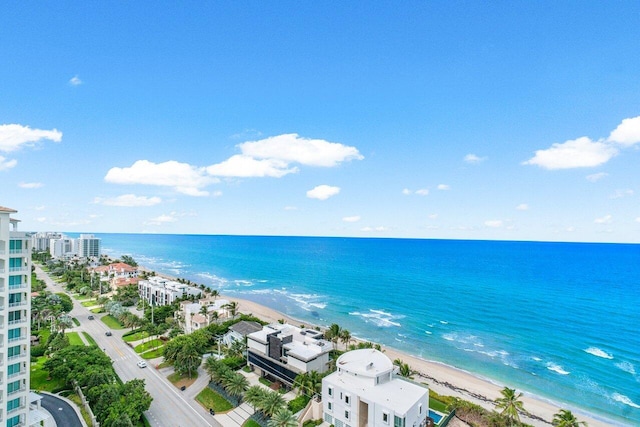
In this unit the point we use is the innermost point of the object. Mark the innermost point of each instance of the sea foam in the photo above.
(595, 351)
(379, 318)
(624, 399)
(557, 368)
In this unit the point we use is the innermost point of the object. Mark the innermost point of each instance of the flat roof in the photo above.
(366, 362)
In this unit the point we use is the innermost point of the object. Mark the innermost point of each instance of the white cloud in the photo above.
(290, 208)
(75, 81)
(595, 177)
(607, 219)
(638, 219)
(473, 159)
(379, 228)
(522, 207)
(422, 192)
(162, 219)
(406, 191)
(182, 177)
(570, 229)
(433, 216)
(627, 133)
(248, 167)
(577, 153)
(306, 151)
(128, 200)
(13, 136)
(30, 185)
(354, 218)
(493, 223)
(39, 208)
(618, 194)
(6, 164)
(41, 219)
(323, 192)
(444, 187)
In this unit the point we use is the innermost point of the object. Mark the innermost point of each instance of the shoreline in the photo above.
(442, 378)
(445, 379)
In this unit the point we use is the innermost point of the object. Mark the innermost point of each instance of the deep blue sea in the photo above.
(558, 320)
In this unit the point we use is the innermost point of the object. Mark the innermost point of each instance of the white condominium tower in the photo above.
(15, 306)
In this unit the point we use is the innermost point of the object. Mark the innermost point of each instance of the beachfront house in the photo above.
(281, 352)
(239, 331)
(158, 290)
(116, 275)
(197, 315)
(365, 391)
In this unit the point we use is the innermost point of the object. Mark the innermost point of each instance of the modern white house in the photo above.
(365, 391)
(283, 351)
(158, 290)
(15, 320)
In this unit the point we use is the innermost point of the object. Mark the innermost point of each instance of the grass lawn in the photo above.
(111, 322)
(89, 303)
(251, 423)
(135, 337)
(152, 354)
(182, 380)
(75, 321)
(74, 338)
(80, 297)
(97, 310)
(39, 378)
(89, 338)
(154, 343)
(437, 405)
(76, 399)
(212, 400)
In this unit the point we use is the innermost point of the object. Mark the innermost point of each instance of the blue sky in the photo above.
(512, 120)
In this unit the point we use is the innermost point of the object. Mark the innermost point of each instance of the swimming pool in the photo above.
(437, 417)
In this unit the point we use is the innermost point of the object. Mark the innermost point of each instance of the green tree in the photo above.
(232, 307)
(333, 333)
(564, 418)
(255, 395)
(188, 359)
(345, 337)
(282, 418)
(272, 403)
(510, 404)
(129, 260)
(235, 384)
(309, 383)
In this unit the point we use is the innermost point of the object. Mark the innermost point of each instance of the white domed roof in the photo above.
(367, 362)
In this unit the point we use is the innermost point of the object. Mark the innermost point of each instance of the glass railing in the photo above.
(17, 269)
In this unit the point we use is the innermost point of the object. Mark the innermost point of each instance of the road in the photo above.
(169, 407)
(61, 411)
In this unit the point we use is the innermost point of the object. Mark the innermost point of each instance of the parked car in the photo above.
(108, 333)
(142, 364)
(91, 317)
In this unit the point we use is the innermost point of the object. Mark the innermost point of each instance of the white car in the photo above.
(142, 364)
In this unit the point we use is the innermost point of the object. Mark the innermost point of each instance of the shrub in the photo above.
(299, 403)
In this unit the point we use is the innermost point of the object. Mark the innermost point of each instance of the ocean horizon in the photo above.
(555, 320)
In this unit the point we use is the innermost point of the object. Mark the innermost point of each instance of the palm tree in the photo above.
(333, 333)
(564, 418)
(205, 312)
(510, 404)
(255, 395)
(309, 383)
(283, 418)
(215, 293)
(345, 337)
(272, 402)
(232, 307)
(235, 384)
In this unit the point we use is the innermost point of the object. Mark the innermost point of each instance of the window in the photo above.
(420, 408)
(13, 421)
(14, 351)
(397, 421)
(13, 404)
(15, 280)
(347, 399)
(346, 415)
(330, 406)
(13, 369)
(14, 333)
(13, 386)
(330, 391)
(385, 418)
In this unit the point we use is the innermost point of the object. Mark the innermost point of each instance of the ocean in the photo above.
(556, 320)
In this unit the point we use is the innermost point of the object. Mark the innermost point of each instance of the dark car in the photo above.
(108, 333)
(91, 317)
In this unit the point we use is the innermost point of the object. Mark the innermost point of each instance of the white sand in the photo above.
(441, 378)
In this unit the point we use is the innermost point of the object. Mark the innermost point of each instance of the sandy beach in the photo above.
(441, 378)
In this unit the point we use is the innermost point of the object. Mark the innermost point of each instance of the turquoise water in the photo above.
(558, 320)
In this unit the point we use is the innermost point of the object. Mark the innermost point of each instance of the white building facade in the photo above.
(158, 290)
(87, 246)
(365, 392)
(15, 308)
(283, 351)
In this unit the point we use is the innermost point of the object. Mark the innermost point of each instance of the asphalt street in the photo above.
(61, 411)
(169, 407)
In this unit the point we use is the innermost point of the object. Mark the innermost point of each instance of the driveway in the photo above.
(64, 414)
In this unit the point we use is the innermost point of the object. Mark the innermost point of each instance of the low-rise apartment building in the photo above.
(158, 290)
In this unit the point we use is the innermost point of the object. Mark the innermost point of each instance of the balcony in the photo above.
(14, 339)
(18, 269)
(17, 303)
(22, 406)
(18, 286)
(18, 251)
(17, 356)
(15, 374)
(17, 321)
(19, 390)
(1, 270)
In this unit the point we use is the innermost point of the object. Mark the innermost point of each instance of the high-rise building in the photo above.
(15, 306)
(87, 245)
